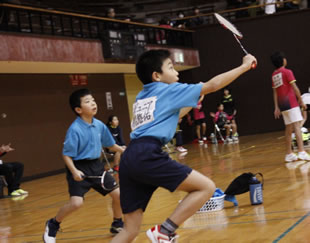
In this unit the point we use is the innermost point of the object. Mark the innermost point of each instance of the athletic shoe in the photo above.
(235, 138)
(181, 149)
(116, 226)
(200, 142)
(51, 229)
(15, 193)
(156, 236)
(19, 198)
(303, 155)
(22, 192)
(182, 155)
(229, 140)
(305, 136)
(204, 138)
(291, 157)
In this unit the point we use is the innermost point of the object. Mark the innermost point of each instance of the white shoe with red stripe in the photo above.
(156, 236)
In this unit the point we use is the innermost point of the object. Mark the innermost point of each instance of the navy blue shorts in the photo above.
(143, 168)
(200, 121)
(92, 168)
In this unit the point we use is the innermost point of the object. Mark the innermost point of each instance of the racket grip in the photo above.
(253, 66)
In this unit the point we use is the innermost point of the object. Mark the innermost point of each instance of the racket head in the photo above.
(108, 182)
(228, 25)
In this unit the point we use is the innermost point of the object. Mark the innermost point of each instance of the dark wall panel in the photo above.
(38, 115)
(219, 52)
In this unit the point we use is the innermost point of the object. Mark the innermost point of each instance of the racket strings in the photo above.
(228, 25)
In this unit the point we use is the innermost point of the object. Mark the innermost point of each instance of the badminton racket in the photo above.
(107, 161)
(106, 182)
(236, 33)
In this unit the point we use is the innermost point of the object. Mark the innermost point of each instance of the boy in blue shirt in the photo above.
(144, 166)
(81, 152)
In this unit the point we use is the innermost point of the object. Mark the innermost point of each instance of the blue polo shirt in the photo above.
(85, 141)
(157, 107)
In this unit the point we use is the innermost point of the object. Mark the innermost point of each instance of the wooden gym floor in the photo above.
(283, 217)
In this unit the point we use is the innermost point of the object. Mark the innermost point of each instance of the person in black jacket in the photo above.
(116, 131)
(229, 107)
(13, 172)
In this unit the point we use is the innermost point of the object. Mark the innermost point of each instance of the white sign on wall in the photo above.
(108, 97)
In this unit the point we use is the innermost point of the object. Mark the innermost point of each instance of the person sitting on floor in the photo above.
(13, 172)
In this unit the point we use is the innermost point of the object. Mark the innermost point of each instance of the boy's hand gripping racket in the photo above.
(106, 183)
(237, 34)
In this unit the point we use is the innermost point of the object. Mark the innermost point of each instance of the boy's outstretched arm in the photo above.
(222, 80)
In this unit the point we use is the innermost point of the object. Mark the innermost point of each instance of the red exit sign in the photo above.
(78, 79)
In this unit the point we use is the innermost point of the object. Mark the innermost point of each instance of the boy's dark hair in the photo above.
(75, 98)
(149, 62)
(277, 58)
(218, 105)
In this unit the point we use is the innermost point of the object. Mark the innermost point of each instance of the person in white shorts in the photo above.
(306, 99)
(287, 100)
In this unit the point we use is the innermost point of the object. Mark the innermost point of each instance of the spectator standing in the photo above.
(287, 99)
(200, 122)
(230, 109)
(197, 20)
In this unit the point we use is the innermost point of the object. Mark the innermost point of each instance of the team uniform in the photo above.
(229, 106)
(83, 143)
(221, 118)
(117, 134)
(282, 79)
(144, 166)
(199, 115)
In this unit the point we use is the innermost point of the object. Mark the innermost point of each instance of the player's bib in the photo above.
(277, 80)
(143, 112)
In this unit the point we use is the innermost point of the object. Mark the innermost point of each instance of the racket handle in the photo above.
(253, 66)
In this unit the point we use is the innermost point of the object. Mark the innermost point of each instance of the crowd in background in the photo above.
(244, 8)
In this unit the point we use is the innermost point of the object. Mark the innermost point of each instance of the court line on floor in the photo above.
(150, 225)
(291, 228)
(239, 151)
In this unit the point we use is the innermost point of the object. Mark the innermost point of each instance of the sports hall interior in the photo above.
(47, 53)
